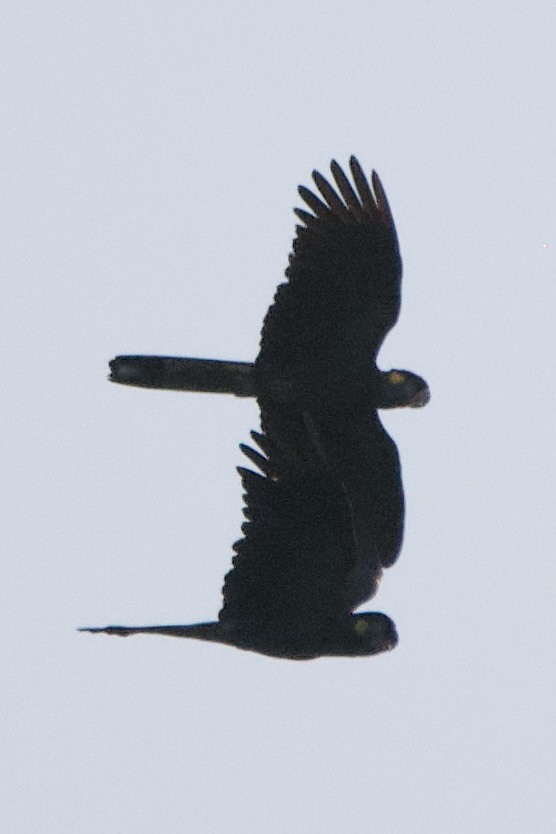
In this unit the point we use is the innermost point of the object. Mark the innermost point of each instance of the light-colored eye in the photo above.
(361, 627)
(396, 377)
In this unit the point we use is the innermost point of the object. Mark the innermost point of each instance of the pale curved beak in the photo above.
(421, 398)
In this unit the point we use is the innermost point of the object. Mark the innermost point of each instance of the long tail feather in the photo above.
(171, 372)
(201, 631)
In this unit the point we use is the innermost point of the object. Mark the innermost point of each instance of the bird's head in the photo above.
(402, 388)
(368, 633)
(373, 633)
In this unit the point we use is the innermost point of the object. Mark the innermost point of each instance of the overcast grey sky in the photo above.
(151, 153)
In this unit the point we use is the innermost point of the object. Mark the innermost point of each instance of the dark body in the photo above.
(341, 297)
(360, 455)
(299, 571)
(322, 334)
(319, 344)
(316, 377)
(327, 515)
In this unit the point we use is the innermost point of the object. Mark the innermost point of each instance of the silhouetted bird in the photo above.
(299, 570)
(321, 336)
(316, 369)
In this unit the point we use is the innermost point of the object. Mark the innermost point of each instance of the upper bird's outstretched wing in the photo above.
(319, 344)
(365, 459)
(298, 565)
(327, 321)
(359, 454)
(342, 295)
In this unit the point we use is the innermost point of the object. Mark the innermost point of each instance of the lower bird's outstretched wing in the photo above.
(299, 563)
(299, 570)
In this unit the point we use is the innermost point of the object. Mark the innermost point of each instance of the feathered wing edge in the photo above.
(372, 633)
(238, 378)
(361, 202)
(305, 490)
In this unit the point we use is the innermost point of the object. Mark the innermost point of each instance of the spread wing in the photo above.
(360, 455)
(366, 460)
(322, 335)
(299, 561)
(342, 295)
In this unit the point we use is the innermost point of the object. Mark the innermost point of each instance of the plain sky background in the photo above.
(151, 153)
